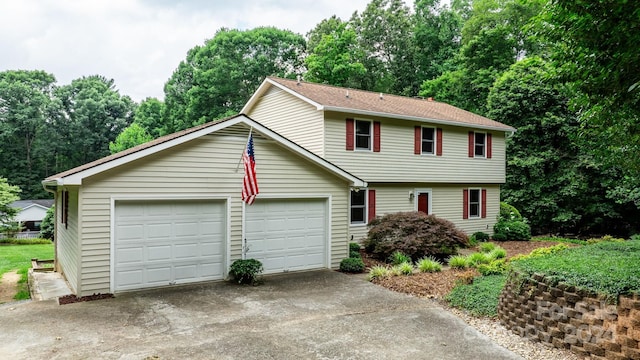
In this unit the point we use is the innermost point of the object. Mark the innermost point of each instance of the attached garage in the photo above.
(288, 234)
(160, 242)
(170, 211)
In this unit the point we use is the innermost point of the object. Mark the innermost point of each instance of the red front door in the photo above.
(423, 202)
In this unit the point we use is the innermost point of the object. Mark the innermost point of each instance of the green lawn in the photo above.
(18, 257)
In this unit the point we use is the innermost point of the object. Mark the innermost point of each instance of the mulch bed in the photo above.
(438, 285)
(70, 299)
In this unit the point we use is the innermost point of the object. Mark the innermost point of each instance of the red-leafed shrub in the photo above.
(415, 234)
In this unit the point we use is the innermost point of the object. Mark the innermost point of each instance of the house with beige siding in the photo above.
(170, 211)
(415, 154)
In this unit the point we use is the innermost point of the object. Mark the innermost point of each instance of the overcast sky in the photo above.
(138, 43)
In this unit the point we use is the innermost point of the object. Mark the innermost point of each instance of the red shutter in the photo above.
(372, 205)
(472, 143)
(488, 146)
(484, 203)
(465, 204)
(438, 142)
(376, 136)
(350, 133)
(417, 140)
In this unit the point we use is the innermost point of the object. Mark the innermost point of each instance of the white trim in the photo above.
(76, 178)
(484, 155)
(355, 135)
(435, 140)
(366, 208)
(479, 204)
(265, 86)
(419, 191)
(160, 197)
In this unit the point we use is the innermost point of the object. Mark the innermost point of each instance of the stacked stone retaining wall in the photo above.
(565, 317)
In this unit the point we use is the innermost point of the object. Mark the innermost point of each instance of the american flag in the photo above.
(249, 184)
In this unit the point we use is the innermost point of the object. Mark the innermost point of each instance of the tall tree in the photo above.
(216, 79)
(334, 60)
(597, 50)
(131, 136)
(330, 26)
(24, 112)
(8, 194)
(150, 116)
(92, 114)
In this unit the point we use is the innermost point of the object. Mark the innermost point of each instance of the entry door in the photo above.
(423, 202)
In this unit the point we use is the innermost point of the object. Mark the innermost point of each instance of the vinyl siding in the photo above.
(446, 202)
(67, 238)
(292, 118)
(396, 162)
(206, 167)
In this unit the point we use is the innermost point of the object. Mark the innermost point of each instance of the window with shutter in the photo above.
(350, 134)
(363, 135)
(376, 136)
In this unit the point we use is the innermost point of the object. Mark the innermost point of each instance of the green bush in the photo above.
(481, 236)
(353, 246)
(475, 259)
(378, 272)
(352, 265)
(499, 237)
(429, 264)
(398, 257)
(480, 297)
(458, 262)
(607, 268)
(405, 268)
(498, 253)
(540, 252)
(487, 247)
(495, 267)
(355, 254)
(246, 271)
(47, 228)
(606, 238)
(415, 234)
(509, 213)
(14, 241)
(512, 230)
(635, 237)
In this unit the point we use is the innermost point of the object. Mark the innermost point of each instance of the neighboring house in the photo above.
(31, 213)
(170, 211)
(415, 154)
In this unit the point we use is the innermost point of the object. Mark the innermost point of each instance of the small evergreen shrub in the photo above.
(378, 272)
(47, 228)
(353, 246)
(496, 267)
(487, 247)
(429, 264)
(499, 237)
(354, 254)
(246, 271)
(458, 262)
(512, 229)
(415, 234)
(509, 213)
(352, 265)
(398, 257)
(481, 236)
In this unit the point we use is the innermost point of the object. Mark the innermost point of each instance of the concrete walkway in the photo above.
(47, 285)
(313, 315)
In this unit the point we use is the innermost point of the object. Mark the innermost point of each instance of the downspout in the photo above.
(55, 226)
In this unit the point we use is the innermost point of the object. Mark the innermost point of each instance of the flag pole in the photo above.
(244, 149)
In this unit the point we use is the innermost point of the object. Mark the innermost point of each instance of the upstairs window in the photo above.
(363, 135)
(427, 141)
(479, 144)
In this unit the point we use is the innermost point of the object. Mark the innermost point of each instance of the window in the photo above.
(474, 203)
(363, 206)
(363, 135)
(358, 206)
(479, 144)
(428, 140)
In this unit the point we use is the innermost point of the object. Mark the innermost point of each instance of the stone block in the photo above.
(593, 349)
(610, 355)
(572, 298)
(631, 353)
(610, 346)
(579, 350)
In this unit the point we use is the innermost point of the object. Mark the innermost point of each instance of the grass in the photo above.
(607, 268)
(480, 298)
(18, 257)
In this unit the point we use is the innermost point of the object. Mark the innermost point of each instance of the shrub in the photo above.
(509, 213)
(405, 268)
(499, 237)
(378, 272)
(458, 262)
(635, 237)
(47, 228)
(481, 236)
(477, 258)
(495, 267)
(540, 252)
(512, 230)
(355, 254)
(246, 271)
(472, 240)
(415, 234)
(606, 238)
(352, 265)
(353, 246)
(429, 264)
(498, 253)
(479, 297)
(487, 247)
(398, 257)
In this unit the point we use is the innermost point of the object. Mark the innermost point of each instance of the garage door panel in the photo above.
(179, 242)
(287, 234)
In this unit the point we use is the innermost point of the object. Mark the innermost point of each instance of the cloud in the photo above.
(138, 43)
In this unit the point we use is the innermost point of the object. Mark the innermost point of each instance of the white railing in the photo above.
(23, 235)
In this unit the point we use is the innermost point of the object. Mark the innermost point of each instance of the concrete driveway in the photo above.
(313, 315)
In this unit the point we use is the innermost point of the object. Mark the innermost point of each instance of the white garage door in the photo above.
(159, 243)
(287, 235)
